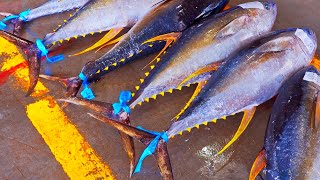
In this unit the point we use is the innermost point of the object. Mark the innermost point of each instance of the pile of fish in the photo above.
(230, 53)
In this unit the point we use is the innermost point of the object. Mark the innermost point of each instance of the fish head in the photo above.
(307, 40)
(264, 13)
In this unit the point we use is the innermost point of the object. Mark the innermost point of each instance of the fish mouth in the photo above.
(307, 40)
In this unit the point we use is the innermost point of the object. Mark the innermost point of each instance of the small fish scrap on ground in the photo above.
(212, 89)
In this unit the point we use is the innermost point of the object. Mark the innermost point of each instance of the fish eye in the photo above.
(267, 6)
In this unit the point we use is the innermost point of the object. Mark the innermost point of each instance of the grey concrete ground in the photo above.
(24, 154)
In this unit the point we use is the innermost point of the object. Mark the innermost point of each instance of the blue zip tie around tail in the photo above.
(21, 16)
(151, 147)
(124, 98)
(44, 52)
(87, 92)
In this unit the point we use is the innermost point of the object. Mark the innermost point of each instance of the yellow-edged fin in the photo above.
(209, 68)
(195, 94)
(169, 38)
(259, 163)
(111, 34)
(111, 42)
(247, 117)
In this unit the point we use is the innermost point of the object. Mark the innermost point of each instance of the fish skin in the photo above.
(101, 15)
(250, 78)
(167, 17)
(53, 7)
(291, 143)
(197, 47)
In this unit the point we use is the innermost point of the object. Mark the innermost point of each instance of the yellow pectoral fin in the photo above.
(169, 38)
(111, 34)
(247, 117)
(195, 94)
(259, 163)
(209, 68)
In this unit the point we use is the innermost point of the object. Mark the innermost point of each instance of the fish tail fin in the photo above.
(72, 84)
(155, 142)
(33, 54)
(97, 106)
(258, 165)
(105, 39)
(247, 117)
(15, 20)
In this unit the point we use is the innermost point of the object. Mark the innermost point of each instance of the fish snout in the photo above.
(308, 39)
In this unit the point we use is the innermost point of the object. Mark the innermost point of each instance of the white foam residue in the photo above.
(212, 161)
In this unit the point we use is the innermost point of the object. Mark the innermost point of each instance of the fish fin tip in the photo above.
(258, 164)
(246, 119)
(105, 39)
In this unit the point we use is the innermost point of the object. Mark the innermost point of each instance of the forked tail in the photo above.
(156, 145)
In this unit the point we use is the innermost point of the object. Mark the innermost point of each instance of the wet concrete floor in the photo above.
(25, 155)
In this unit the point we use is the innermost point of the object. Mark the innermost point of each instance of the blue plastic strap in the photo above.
(21, 16)
(44, 52)
(125, 96)
(86, 92)
(151, 147)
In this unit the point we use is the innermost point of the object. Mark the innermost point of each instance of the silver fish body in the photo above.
(101, 15)
(53, 7)
(250, 78)
(211, 41)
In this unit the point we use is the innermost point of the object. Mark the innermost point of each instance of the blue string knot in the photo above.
(23, 16)
(87, 92)
(44, 52)
(124, 98)
(151, 147)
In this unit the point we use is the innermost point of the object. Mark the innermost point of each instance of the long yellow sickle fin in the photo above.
(247, 117)
(259, 163)
(316, 62)
(195, 94)
(169, 38)
(209, 68)
(111, 42)
(111, 34)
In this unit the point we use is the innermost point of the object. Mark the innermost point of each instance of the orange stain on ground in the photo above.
(69, 147)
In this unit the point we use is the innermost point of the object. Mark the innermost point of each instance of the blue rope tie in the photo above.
(125, 96)
(44, 52)
(87, 92)
(151, 147)
(21, 16)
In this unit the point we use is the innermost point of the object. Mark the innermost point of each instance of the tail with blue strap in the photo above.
(34, 52)
(156, 144)
(15, 20)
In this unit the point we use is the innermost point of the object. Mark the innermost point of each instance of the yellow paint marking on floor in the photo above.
(70, 149)
(68, 146)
